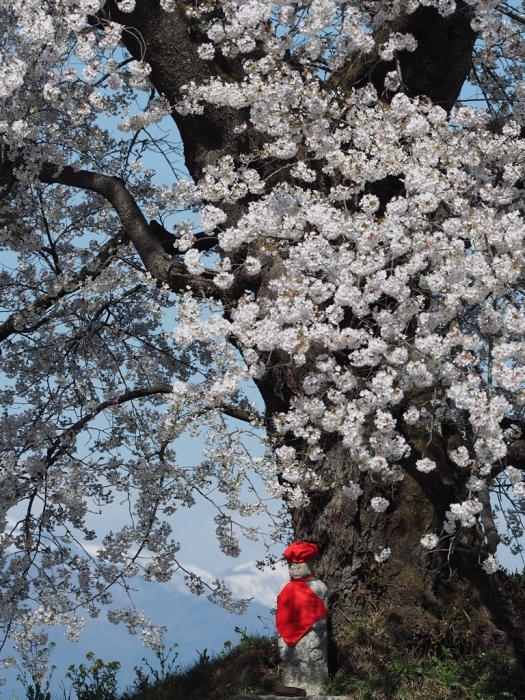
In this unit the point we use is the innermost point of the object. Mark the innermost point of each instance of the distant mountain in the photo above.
(193, 623)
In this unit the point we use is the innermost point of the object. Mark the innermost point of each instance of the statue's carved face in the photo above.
(300, 570)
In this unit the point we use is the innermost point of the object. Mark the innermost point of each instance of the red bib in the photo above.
(298, 608)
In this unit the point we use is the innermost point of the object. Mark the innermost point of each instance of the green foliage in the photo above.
(95, 682)
(37, 688)
(517, 578)
(226, 649)
(147, 682)
(245, 668)
(374, 668)
(37, 692)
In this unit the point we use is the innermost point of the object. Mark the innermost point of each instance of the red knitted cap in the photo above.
(300, 552)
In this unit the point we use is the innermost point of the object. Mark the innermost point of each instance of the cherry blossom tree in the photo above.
(348, 236)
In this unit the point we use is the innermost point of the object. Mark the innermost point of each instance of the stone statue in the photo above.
(302, 622)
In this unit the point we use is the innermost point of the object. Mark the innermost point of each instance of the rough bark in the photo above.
(135, 228)
(437, 68)
(169, 42)
(411, 589)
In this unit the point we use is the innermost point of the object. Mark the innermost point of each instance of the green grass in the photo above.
(248, 668)
(373, 668)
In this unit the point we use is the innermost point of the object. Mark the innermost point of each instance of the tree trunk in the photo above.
(416, 594)
(412, 591)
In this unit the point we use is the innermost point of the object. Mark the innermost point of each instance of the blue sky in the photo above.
(193, 623)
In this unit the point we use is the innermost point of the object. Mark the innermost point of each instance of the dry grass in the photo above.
(381, 656)
(250, 667)
(373, 668)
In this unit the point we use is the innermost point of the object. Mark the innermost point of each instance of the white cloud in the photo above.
(92, 549)
(246, 581)
(179, 584)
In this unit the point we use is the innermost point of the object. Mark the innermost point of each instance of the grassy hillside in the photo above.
(443, 664)
(250, 667)
(370, 669)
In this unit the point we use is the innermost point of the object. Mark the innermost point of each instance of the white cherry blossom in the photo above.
(389, 315)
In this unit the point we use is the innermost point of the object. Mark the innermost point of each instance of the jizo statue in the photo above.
(302, 622)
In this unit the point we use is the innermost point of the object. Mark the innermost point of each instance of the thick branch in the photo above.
(115, 191)
(438, 67)
(58, 447)
(169, 42)
(516, 454)
(489, 526)
(157, 263)
(516, 449)
(123, 398)
(235, 412)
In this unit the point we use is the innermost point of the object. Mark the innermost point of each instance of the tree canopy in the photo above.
(349, 236)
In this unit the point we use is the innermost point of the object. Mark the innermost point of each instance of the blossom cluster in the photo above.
(440, 252)
(369, 301)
